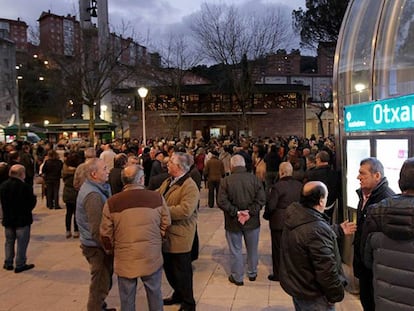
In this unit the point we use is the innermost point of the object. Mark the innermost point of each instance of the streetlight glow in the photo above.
(142, 91)
(104, 108)
(359, 87)
(327, 105)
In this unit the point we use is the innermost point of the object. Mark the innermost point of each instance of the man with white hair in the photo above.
(241, 197)
(182, 195)
(284, 192)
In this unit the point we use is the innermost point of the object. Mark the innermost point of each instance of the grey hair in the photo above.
(375, 166)
(92, 166)
(184, 160)
(237, 160)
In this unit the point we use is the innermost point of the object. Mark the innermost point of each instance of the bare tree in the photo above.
(94, 74)
(229, 37)
(177, 56)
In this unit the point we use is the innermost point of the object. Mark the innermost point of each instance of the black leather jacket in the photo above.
(310, 264)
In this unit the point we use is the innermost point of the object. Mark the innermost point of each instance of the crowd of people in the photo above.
(134, 208)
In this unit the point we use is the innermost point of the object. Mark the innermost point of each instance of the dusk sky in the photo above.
(145, 20)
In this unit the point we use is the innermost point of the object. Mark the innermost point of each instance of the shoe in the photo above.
(232, 280)
(58, 207)
(68, 234)
(23, 268)
(110, 309)
(8, 267)
(171, 301)
(186, 309)
(76, 234)
(252, 278)
(272, 277)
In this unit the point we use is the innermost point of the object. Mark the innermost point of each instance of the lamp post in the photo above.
(142, 91)
(327, 105)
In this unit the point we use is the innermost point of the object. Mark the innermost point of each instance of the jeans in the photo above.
(234, 240)
(70, 213)
(317, 304)
(128, 289)
(101, 266)
(22, 235)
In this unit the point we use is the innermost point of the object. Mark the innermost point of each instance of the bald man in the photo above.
(141, 218)
(17, 202)
(310, 264)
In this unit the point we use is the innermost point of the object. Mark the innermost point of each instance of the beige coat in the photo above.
(132, 226)
(182, 199)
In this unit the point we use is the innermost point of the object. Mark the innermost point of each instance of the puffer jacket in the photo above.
(133, 224)
(182, 200)
(241, 191)
(69, 191)
(387, 245)
(380, 192)
(310, 264)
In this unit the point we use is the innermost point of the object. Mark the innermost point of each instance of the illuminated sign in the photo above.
(387, 114)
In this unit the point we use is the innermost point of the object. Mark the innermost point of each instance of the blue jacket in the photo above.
(89, 228)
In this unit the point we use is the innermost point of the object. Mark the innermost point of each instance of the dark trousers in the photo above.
(101, 268)
(70, 214)
(195, 247)
(276, 236)
(366, 290)
(213, 188)
(52, 194)
(179, 273)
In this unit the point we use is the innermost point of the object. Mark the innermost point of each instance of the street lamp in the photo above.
(103, 109)
(359, 87)
(327, 105)
(142, 91)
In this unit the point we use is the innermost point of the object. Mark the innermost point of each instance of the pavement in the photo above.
(60, 279)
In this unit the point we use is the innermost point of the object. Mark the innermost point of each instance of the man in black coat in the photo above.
(374, 188)
(17, 201)
(310, 264)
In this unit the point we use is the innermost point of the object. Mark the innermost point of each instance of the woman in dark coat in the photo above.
(70, 194)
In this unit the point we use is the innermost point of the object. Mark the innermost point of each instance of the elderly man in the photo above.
(17, 202)
(241, 197)
(284, 192)
(141, 218)
(374, 188)
(181, 194)
(89, 204)
(310, 264)
(80, 174)
(389, 235)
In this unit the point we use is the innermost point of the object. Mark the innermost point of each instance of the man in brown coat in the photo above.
(213, 173)
(182, 195)
(141, 218)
